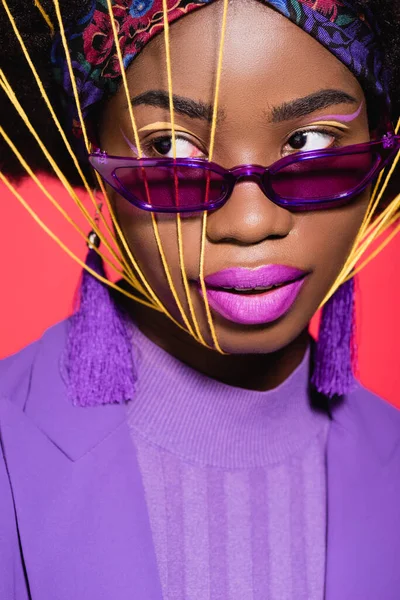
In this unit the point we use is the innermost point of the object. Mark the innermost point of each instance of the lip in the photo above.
(260, 307)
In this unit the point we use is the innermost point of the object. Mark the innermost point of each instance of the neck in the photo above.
(249, 371)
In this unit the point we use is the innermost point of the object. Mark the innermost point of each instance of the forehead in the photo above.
(267, 59)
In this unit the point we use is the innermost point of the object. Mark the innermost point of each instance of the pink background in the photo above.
(39, 281)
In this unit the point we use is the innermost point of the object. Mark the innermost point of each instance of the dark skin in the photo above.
(276, 81)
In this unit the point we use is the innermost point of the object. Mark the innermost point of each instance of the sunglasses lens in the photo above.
(171, 188)
(324, 178)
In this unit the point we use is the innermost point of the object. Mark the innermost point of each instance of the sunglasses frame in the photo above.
(385, 148)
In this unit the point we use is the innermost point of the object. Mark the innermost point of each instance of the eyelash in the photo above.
(338, 136)
(148, 146)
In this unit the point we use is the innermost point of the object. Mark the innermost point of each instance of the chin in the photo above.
(258, 339)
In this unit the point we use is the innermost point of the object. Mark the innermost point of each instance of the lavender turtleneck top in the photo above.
(235, 482)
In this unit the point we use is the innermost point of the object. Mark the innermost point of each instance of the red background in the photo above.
(39, 281)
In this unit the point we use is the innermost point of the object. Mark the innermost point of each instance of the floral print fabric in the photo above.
(345, 32)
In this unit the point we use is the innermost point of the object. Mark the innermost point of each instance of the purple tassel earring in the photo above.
(336, 348)
(98, 360)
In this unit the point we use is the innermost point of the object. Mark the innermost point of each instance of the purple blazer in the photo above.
(73, 518)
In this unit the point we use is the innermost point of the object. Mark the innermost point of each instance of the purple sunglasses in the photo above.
(312, 180)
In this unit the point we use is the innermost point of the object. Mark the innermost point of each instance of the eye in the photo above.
(305, 141)
(161, 146)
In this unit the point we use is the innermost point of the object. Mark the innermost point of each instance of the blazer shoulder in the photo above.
(375, 419)
(16, 370)
(371, 406)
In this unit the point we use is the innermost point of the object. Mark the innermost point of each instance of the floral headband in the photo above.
(336, 24)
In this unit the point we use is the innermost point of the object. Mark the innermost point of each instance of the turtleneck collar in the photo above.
(213, 424)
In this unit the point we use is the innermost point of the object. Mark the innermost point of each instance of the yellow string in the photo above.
(128, 273)
(7, 88)
(367, 235)
(379, 249)
(390, 216)
(53, 201)
(132, 120)
(88, 189)
(348, 270)
(374, 200)
(131, 279)
(71, 74)
(384, 219)
(168, 275)
(381, 223)
(210, 155)
(375, 223)
(54, 237)
(4, 84)
(60, 130)
(124, 80)
(178, 216)
(88, 149)
(377, 196)
(137, 142)
(371, 209)
(9, 92)
(87, 144)
(142, 286)
(377, 229)
(45, 16)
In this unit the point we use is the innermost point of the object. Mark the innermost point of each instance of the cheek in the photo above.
(327, 236)
(138, 228)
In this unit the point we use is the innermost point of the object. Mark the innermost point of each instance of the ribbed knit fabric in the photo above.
(234, 481)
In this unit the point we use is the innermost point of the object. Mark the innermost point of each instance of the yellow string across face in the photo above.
(137, 141)
(371, 229)
(210, 155)
(198, 335)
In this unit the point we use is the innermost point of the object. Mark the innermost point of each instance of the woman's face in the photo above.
(277, 84)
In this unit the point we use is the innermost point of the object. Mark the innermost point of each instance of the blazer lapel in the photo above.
(78, 493)
(363, 529)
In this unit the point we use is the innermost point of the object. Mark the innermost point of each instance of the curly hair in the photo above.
(36, 35)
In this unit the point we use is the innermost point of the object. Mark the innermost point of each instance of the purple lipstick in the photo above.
(254, 296)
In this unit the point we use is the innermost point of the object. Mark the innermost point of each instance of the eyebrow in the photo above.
(301, 107)
(194, 109)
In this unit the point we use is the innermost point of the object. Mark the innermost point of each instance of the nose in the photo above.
(248, 217)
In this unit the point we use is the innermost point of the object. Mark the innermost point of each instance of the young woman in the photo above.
(195, 444)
